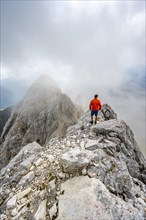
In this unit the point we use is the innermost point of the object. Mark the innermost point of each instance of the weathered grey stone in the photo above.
(127, 145)
(108, 112)
(91, 145)
(26, 164)
(41, 212)
(84, 171)
(52, 184)
(87, 198)
(14, 212)
(82, 145)
(142, 201)
(76, 159)
(27, 178)
(50, 158)
(43, 194)
(29, 150)
(118, 178)
(21, 212)
(23, 193)
(92, 171)
(62, 175)
(99, 154)
(38, 162)
(53, 211)
(3, 217)
(133, 167)
(11, 202)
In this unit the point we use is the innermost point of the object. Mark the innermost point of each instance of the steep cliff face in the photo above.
(4, 115)
(43, 113)
(95, 171)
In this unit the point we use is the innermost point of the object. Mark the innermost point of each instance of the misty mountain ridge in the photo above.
(12, 90)
(48, 177)
(44, 112)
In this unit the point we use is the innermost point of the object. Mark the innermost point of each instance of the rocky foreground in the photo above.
(94, 172)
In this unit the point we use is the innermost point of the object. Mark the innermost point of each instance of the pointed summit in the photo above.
(46, 82)
(42, 89)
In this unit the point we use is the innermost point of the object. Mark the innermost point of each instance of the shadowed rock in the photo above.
(4, 115)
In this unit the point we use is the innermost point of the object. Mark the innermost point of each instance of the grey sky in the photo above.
(87, 47)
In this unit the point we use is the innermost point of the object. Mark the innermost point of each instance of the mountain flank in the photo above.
(44, 112)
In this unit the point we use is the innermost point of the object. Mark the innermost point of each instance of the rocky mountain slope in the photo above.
(94, 172)
(4, 115)
(44, 112)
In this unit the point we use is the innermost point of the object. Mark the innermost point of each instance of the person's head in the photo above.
(96, 96)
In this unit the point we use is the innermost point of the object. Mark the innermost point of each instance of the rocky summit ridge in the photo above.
(94, 172)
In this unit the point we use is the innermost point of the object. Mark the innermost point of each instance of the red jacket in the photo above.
(95, 104)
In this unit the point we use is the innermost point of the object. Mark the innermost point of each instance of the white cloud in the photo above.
(86, 46)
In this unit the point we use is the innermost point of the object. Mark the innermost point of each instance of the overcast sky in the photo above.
(87, 47)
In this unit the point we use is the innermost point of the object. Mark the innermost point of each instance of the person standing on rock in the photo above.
(94, 106)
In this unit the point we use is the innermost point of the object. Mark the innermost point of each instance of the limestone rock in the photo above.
(52, 184)
(41, 212)
(88, 198)
(91, 145)
(11, 203)
(27, 178)
(23, 193)
(124, 145)
(75, 159)
(108, 112)
(53, 211)
(24, 158)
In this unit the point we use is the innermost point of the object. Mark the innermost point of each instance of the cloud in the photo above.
(87, 47)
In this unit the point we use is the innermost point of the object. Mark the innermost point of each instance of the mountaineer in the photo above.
(94, 106)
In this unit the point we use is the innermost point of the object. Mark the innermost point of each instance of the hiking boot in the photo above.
(95, 122)
(91, 122)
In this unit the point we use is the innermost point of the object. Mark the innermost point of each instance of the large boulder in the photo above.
(87, 198)
(76, 159)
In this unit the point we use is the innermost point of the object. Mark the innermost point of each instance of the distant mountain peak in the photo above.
(45, 82)
(43, 113)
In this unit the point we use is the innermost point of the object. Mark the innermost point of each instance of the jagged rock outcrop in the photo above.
(43, 113)
(4, 115)
(95, 171)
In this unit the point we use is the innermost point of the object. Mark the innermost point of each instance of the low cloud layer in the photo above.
(87, 47)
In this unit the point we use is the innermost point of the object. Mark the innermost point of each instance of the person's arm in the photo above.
(90, 105)
(99, 104)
